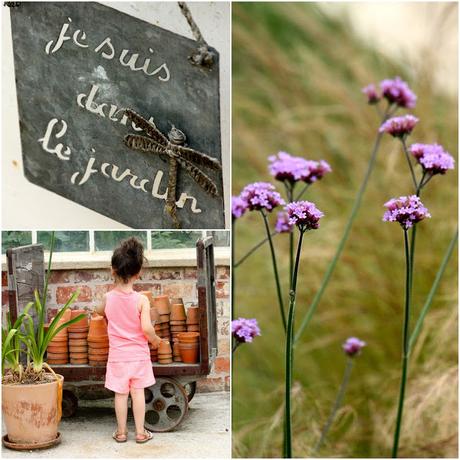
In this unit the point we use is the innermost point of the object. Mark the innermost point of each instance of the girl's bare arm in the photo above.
(146, 322)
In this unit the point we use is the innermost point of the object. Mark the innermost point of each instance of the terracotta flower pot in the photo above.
(56, 362)
(162, 304)
(79, 361)
(176, 300)
(178, 312)
(32, 413)
(78, 349)
(164, 318)
(149, 296)
(99, 351)
(193, 315)
(77, 342)
(154, 315)
(78, 355)
(57, 355)
(193, 328)
(59, 339)
(177, 323)
(98, 338)
(78, 335)
(189, 355)
(189, 337)
(96, 345)
(97, 326)
(82, 324)
(164, 347)
(176, 349)
(78, 330)
(57, 348)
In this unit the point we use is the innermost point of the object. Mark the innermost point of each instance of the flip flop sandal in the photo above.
(147, 438)
(117, 436)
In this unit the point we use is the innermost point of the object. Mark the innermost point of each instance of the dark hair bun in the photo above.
(128, 258)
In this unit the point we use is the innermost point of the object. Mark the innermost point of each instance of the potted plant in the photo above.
(32, 395)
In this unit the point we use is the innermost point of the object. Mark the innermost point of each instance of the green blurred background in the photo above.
(297, 77)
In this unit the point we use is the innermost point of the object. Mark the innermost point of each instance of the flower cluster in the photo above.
(395, 91)
(261, 195)
(353, 346)
(399, 126)
(293, 169)
(283, 225)
(304, 214)
(407, 210)
(371, 92)
(244, 330)
(238, 207)
(432, 157)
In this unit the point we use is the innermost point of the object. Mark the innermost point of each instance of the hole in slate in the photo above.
(173, 412)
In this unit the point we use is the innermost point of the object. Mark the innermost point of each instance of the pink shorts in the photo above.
(121, 377)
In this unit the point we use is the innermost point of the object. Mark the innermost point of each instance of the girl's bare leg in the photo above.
(121, 411)
(138, 408)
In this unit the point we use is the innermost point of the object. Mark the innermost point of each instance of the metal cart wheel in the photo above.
(190, 390)
(166, 405)
(69, 403)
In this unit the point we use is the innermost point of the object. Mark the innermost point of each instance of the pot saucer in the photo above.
(33, 446)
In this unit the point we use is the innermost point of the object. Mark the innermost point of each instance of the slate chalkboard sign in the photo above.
(78, 65)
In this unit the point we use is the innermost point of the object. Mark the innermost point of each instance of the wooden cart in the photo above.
(167, 401)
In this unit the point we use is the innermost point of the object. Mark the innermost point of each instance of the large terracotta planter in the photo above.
(189, 337)
(32, 413)
(189, 353)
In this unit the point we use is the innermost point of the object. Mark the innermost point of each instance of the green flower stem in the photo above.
(406, 153)
(434, 287)
(254, 249)
(236, 344)
(290, 193)
(341, 245)
(301, 193)
(275, 270)
(289, 352)
(405, 356)
(337, 403)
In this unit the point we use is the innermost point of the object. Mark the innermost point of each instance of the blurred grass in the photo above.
(297, 79)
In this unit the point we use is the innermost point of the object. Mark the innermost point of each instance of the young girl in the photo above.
(129, 369)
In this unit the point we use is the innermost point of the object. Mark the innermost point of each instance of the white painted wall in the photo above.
(26, 206)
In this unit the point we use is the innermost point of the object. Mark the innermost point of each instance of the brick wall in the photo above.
(175, 282)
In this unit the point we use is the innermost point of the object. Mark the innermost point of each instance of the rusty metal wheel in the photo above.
(166, 405)
(69, 403)
(190, 390)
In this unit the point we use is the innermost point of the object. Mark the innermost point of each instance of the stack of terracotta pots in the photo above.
(153, 353)
(178, 318)
(78, 333)
(57, 351)
(176, 352)
(165, 353)
(189, 345)
(161, 303)
(98, 341)
(193, 319)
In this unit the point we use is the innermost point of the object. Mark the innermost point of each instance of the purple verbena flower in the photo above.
(407, 210)
(316, 170)
(353, 346)
(287, 167)
(244, 330)
(371, 92)
(261, 195)
(397, 92)
(304, 214)
(433, 158)
(239, 207)
(283, 224)
(399, 126)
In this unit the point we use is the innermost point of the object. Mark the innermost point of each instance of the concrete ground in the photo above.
(204, 433)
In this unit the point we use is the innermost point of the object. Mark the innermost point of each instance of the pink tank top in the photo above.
(127, 341)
